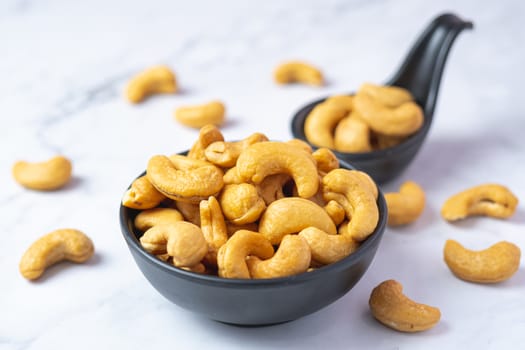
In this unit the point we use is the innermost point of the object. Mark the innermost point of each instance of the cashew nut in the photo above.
(267, 158)
(225, 154)
(326, 160)
(395, 310)
(231, 176)
(328, 248)
(154, 80)
(44, 176)
(62, 244)
(301, 144)
(335, 211)
(487, 200)
(321, 122)
(186, 184)
(190, 211)
(298, 72)
(241, 204)
(207, 135)
(142, 195)
(231, 258)
(389, 96)
(200, 115)
(213, 227)
(492, 265)
(146, 219)
(352, 135)
(292, 257)
(359, 201)
(342, 101)
(407, 205)
(291, 215)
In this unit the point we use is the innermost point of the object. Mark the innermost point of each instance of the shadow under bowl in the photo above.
(382, 165)
(254, 302)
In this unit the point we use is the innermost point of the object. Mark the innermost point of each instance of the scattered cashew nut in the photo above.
(200, 115)
(43, 176)
(407, 205)
(154, 80)
(298, 72)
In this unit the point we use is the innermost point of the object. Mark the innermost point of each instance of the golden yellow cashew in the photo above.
(231, 176)
(43, 176)
(292, 257)
(231, 258)
(298, 72)
(190, 211)
(225, 154)
(62, 244)
(335, 211)
(352, 135)
(321, 122)
(208, 134)
(328, 248)
(345, 102)
(142, 195)
(267, 158)
(492, 265)
(241, 204)
(389, 96)
(486, 200)
(291, 215)
(146, 219)
(301, 144)
(395, 310)
(405, 206)
(326, 160)
(154, 80)
(190, 185)
(213, 227)
(271, 188)
(200, 115)
(360, 204)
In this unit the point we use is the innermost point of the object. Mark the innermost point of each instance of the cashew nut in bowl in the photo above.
(190, 211)
(320, 124)
(298, 72)
(190, 185)
(389, 96)
(291, 215)
(225, 154)
(241, 204)
(326, 160)
(271, 188)
(407, 205)
(200, 115)
(492, 200)
(62, 244)
(291, 258)
(208, 134)
(142, 195)
(352, 135)
(213, 227)
(154, 80)
(146, 219)
(231, 176)
(267, 158)
(492, 265)
(395, 310)
(231, 258)
(335, 211)
(43, 176)
(328, 248)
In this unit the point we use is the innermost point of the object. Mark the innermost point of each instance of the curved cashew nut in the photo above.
(157, 216)
(321, 122)
(63, 244)
(208, 134)
(395, 310)
(298, 72)
(328, 248)
(407, 205)
(213, 227)
(231, 258)
(190, 185)
(200, 115)
(267, 158)
(301, 144)
(291, 258)
(335, 211)
(326, 160)
(342, 101)
(241, 204)
(352, 135)
(291, 215)
(271, 188)
(389, 96)
(225, 154)
(142, 195)
(154, 80)
(231, 177)
(492, 265)
(360, 204)
(44, 176)
(488, 200)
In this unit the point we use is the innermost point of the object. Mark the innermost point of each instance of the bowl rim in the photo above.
(134, 243)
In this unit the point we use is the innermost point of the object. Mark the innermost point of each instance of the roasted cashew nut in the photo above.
(63, 244)
(267, 158)
(231, 258)
(407, 205)
(190, 211)
(487, 200)
(492, 265)
(335, 211)
(326, 160)
(389, 96)
(291, 215)
(154, 80)
(146, 219)
(395, 310)
(241, 204)
(192, 185)
(231, 176)
(142, 195)
(208, 134)
(328, 248)
(301, 144)
(291, 258)
(345, 102)
(225, 154)
(352, 135)
(200, 115)
(43, 176)
(298, 72)
(360, 203)
(213, 227)
(321, 122)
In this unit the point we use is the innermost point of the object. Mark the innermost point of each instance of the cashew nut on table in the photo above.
(154, 80)
(43, 176)
(298, 72)
(405, 206)
(198, 116)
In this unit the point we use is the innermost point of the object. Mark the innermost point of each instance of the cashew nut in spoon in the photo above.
(352, 135)
(321, 122)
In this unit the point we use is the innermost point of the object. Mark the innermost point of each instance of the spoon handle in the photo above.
(421, 71)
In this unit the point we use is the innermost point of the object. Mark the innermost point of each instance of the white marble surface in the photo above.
(63, 67)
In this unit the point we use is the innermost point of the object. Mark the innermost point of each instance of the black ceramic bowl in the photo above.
(254, 302)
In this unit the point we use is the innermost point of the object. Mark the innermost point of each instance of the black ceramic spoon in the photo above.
(421, 74)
